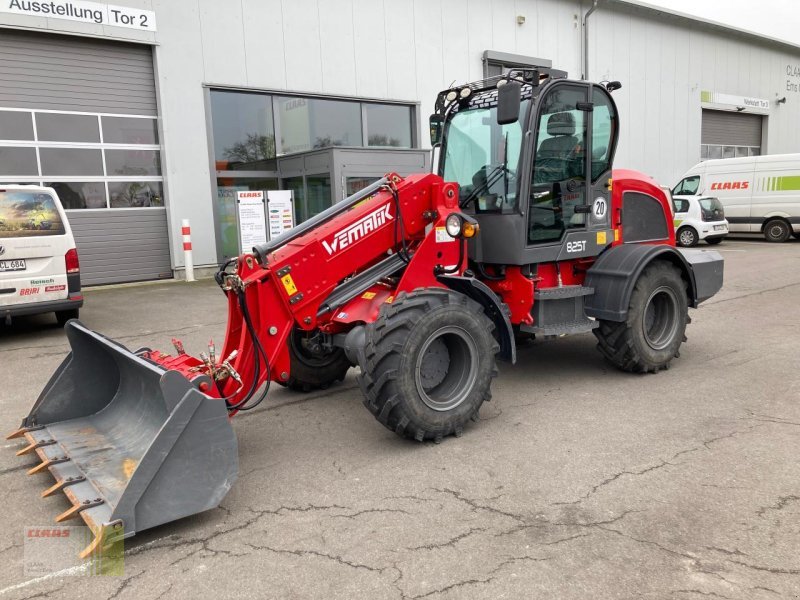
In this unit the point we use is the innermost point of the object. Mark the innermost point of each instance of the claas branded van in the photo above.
(760, 194)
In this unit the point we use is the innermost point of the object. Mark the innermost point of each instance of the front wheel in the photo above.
(312, 365)
(655, 328)
(428, 364)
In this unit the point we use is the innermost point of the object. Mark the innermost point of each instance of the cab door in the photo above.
(568, 210)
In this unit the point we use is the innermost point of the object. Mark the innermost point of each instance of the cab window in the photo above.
(559, 168)
(28, 214)
(482, 156)
(688, 186)
(604, 125)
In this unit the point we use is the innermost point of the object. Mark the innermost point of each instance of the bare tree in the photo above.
(256, 147)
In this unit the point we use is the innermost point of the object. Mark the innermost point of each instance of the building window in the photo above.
(93, 161)
(16, 125)
(388, 125)
(244, 126)
(312, 123)
(244, 131)
(709, 151)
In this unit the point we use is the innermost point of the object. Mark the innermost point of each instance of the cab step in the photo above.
(559, 311)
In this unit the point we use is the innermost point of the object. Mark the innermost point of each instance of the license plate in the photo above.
(12, 265)
(719, 227)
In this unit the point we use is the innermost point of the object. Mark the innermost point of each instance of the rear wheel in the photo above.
(777, 230)
(428, 364)
(651, 335)
(686, 237)
(62, 316)
(313, 366)
(713, 241)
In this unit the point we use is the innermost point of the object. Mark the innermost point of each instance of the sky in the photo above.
(774, 18)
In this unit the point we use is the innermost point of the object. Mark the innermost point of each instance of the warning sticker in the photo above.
(389, 300)
(442, 237)
(601, 238)
(288, 284)
(368, 295)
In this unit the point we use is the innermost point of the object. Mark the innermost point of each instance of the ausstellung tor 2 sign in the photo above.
(83, 11)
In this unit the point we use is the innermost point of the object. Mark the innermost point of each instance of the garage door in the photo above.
(81, 115)
(730, 134)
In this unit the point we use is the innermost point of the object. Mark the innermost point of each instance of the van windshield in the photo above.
(27, 214)
(688, 186)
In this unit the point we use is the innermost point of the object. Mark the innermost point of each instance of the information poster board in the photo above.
(252, 222)
(281, 212)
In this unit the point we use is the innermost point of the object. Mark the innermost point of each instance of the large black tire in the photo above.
(687, 237)
(428, 364)
(312, 370)
(655, 328)
(713, 241)
(777, 231)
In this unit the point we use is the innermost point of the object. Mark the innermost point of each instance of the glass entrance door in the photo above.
(225, 208)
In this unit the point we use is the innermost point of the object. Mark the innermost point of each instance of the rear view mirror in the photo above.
(437, 127)
(508, 102)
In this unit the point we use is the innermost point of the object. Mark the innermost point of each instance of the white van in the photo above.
(39, 269)
(761, 194)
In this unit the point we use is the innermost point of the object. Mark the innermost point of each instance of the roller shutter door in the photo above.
(60, 72)
(724, 128)
(66, 73)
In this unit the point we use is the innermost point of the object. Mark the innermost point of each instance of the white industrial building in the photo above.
(147, 112)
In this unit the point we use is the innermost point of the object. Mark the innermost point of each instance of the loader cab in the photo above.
(541, 181)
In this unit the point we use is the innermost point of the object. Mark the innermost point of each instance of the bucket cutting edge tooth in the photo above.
(76, 509)
(104, 536)
(60, 485)
(22, 431)
(34, 444)
(46, 463)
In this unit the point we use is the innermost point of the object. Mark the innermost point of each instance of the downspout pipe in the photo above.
(586, 16)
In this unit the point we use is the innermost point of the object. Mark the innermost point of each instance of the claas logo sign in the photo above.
(730, 185)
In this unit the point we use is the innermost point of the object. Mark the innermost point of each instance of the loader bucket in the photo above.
(130, 444)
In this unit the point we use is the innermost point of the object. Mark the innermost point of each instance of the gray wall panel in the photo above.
(55, 72)
(117, 246)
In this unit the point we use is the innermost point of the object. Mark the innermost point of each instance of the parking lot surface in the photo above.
(578, 481)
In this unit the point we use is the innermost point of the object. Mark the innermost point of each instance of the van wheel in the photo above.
(777, 230)
(713, 241)
(62, 316)
(687, 237)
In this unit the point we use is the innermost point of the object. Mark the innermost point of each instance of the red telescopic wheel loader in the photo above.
(422, 282)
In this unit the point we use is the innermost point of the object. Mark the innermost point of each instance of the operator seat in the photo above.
(556, 154)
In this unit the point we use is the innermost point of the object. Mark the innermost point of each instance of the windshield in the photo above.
(24, 214)
(482, 157)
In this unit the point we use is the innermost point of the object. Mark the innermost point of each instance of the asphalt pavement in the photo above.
(578, 481)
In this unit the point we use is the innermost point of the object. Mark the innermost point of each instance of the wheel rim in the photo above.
(776, 231)
(446, 369)
(660, 322)
(687, 237)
